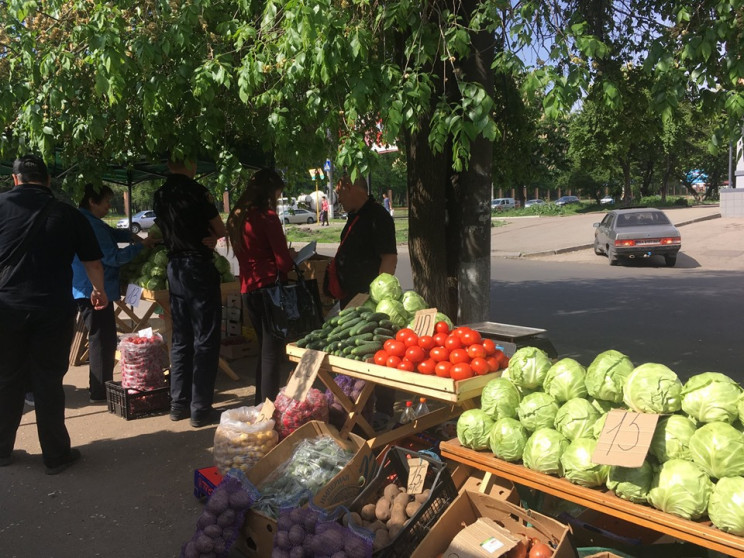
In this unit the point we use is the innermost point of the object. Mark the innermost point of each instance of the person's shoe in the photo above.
(5, 461)
(178, 413)
(30, 400)
(71, 458)
(97, 399)
(205, 418)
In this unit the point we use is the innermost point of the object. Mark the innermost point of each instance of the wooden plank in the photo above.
(696, 532)
(429, 420)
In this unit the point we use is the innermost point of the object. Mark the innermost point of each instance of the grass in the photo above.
(332, 234)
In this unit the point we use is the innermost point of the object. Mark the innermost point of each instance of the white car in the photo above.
(607, 200)
(297, 216)
(530, 203)
(140, 221)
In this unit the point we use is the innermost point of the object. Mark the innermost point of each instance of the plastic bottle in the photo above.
(422, 408)
(408, 415)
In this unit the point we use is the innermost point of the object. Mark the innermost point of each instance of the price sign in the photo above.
(625, 438)
(424, 321)
(147, 332)
(417, 468)
(358, 300)
(267, 411)
(304, 375)
(134, 295)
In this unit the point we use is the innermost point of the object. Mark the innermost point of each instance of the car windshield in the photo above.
(642, 219)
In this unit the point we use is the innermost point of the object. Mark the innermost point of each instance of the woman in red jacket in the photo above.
(257, 238)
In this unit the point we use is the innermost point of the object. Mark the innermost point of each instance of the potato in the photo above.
(382, 509)
(368, 512)
(423, 497)
(382, 539)
(412, 508)
(391, 491)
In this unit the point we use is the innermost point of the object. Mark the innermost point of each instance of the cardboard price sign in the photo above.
(304, 375)
(267, 411)
(424, 321)
(134, 294)
(417, 468)
(625, 438)
(358, 300)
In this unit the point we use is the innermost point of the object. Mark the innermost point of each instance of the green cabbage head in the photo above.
(565, 380)
(473, 429)
(653, 388)
(385, 286)
(681, 488)
(631, 483)
(726, 506)
(394, 309)
(500, 399)
(578, 467)
(718, 448)
(537, 410)
(671, 439)
(543, 451)
(413, 302)
(711, 397)
(507, 439)
(528, 367)
(606, 375)
(576, 418)
(599, 426)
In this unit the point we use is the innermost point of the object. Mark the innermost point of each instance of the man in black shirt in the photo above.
(191, 225)
(37, 311)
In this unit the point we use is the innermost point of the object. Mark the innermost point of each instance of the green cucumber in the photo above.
(362, 338)
(366, 349)
(383, 338)
(387, 324)
(383, 331)
(368, 327)
(377, 316)
(302, 342)
(316, 345)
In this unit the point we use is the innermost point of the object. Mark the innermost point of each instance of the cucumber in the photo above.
(383, 331)
(351, 322)
(349, 311)
(383, 338)
(388, 325)
(367, 348)
(347, 350)
(362, 338)
(377, 316)
(367, 327)
(302, 342)
(316, 345)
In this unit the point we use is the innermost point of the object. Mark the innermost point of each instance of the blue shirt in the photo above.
(113, 258)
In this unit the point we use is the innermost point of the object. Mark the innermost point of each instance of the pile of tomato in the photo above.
(458, 354)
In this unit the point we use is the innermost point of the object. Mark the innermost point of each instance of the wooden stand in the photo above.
(699, 533)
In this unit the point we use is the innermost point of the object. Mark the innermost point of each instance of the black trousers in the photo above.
(34, 351)
(272, 355)
(101, 326)
(196, 310)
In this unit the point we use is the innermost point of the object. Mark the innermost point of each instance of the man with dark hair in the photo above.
(191, 225)
(39, 238)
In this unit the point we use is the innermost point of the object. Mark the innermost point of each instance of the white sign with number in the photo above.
(134, 295)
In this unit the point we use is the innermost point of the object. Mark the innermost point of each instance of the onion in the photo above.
(540, 550)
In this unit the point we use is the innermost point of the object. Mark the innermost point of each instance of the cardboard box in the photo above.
(257, 535)
(233, 314)
(470, 506)
(234, 348)
(233, 329)
(483, 539)
(233, 300)
(205, 481)
(469, 478)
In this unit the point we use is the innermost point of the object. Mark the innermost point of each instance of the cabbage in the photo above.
(394, 309)
(528, 367)
(682, 488)
(711, 397)
(575, 419)
(631, 483)
(599, 426)
(440, 317)
(160, 257)
(653, 388)
(507, 439)
(473, 428)
(537, 410)
(413, 302)
(671, 439)
(385, 286)
(565, 380)
(222, 264)
(370, 305)
(578, 467)
(740, 404)
(718, 448)
(543, 451)
(726, 506)
(604, 406)
(606, 375)
(500, 399)
(522, 390)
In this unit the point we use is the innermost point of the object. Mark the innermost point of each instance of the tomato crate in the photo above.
(394, 468)
(138, 404)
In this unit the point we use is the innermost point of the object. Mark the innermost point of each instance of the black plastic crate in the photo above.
(136, 405)
(394, 469)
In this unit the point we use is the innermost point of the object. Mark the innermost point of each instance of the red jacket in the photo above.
(265, 254)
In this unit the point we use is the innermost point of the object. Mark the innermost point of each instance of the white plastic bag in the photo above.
(240, 441)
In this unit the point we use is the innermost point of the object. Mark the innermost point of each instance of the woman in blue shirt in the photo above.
(101, 324)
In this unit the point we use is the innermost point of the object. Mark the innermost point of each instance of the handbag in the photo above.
(7, 268)
(292, 309)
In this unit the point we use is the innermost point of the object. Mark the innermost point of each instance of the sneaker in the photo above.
(205, 418)
(71, 458)
(30, 400)
(178, 413)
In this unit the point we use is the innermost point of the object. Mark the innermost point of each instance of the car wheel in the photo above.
(310, 220)
(286, 221)
(670, 260)
(597, 249)
(136, 228)
(612, 257)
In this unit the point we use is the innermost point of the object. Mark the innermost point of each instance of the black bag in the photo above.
(292, 309)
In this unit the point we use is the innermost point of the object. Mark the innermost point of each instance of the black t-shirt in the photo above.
(184, 208)
(358, 258)
(43, 276)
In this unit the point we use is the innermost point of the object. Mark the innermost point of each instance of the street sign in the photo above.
(327, 166)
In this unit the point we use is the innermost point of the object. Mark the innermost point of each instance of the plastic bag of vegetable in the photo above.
(578, 466)
(726, 506)
(653, 388)
(681, 488)
(606, 375)
(290, 414)
(500, 399)
(240, 439)
(718, 448)
(385, 286)
(631, 483)
(528, 367)
(565, 380)
(222, 518)
(671, 439)
(576, 418)
(537, 410)
(473, 429)
(711, 397)
(543, 451)
(352, 387)
(507, 439)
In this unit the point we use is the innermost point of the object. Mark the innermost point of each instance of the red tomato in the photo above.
(392, 361)
(490, 346)
(480, 366)
(493, 363)
(476, 350)
(439, 354)
(461, 371)
(452, 342)
(459, 355)
(442, 369)
(426, 342)
(416, 354)
(381, 357)
(411, 341)
(427, 367)
(441, 327)
(406, 365)
(403, 333)
(394, 348)
(439, 339)
(460, 330)
(470, 337)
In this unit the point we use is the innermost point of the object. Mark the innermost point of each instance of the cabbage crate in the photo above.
(135, 405)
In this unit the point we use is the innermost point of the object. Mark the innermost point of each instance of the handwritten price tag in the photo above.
(304, 375)
(266, 412)
(147, 332)
(625, 438)
(134, 295)
(424, 321)
(358, 300)
(417, 468)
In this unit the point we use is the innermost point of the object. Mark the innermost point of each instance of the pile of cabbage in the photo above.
(387, 296)
(549, 416)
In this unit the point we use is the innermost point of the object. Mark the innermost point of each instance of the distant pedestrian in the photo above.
(324, 208)
(386, 202)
